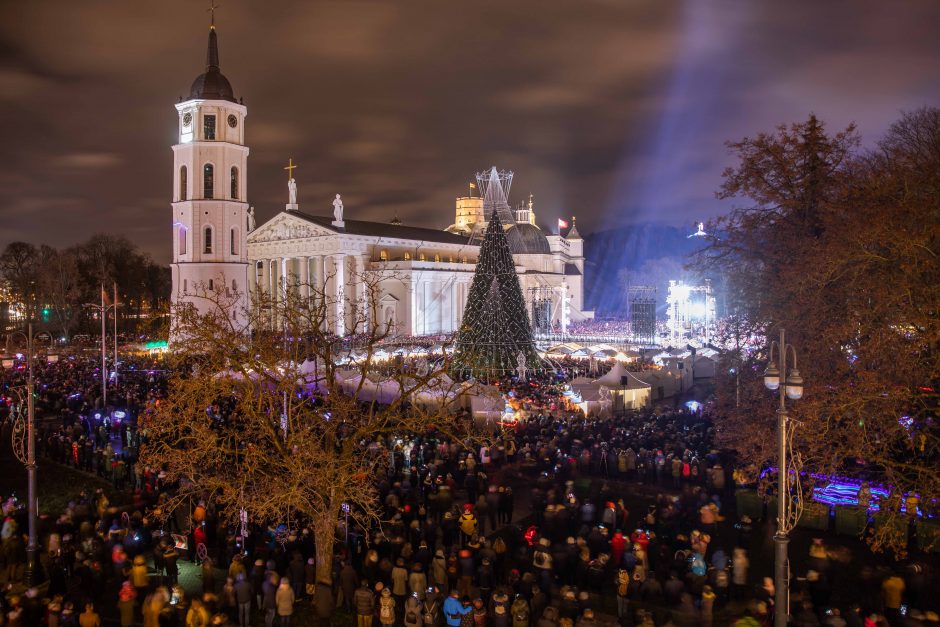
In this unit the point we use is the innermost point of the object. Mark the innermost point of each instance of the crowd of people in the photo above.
(559, 521)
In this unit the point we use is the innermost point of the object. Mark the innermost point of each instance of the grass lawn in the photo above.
(57, 484)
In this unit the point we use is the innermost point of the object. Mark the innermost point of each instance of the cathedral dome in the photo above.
(530, 240)
(212, 85)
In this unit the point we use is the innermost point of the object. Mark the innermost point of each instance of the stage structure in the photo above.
(541, 300)
(691, 312)
(643, 314)
(495, 337)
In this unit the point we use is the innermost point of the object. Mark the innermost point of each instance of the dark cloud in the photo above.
(614, 111)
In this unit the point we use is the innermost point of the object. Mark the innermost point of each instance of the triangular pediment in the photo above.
(283, 227)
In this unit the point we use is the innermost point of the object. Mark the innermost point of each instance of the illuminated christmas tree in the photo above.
(495, 328)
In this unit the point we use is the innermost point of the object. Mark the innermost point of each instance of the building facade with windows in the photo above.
(422, 274)
(210, 163)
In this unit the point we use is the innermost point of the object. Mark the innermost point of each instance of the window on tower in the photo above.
(234, 183)
(207, 241)
(208, 181)
(208, 126)
(183, 182)
(182, 243)
(234, 242)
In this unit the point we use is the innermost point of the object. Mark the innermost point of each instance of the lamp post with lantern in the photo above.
(789, 383)
(28, 457)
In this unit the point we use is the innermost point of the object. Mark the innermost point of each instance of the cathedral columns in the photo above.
(410, 310)
(305, 277)
(363, 301)
(339, 285)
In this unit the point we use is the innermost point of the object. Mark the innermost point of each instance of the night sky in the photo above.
(615, 111)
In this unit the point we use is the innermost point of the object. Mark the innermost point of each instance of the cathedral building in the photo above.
(423, 274)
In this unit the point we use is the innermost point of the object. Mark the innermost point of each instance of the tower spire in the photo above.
(212, 54)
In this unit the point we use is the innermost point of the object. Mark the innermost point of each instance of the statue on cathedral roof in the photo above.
(292, 191)
(338, 210)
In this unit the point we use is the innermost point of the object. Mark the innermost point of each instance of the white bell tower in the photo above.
(210, 211)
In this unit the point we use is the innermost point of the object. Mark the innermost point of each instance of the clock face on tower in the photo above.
(232, 121)
(187, 119)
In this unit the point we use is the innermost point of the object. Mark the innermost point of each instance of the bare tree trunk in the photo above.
(325, 533)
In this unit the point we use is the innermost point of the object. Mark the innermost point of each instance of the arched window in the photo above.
(234, 183)
(422, 257)
(234, 286)
(183, 182)
(383, 255)
(407, 256)
(234, 242)
(207, 240)
(211, 285)
(437, 258)
(182, 240)
(208, 181)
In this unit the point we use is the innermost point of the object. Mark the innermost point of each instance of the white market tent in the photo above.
(623, 389)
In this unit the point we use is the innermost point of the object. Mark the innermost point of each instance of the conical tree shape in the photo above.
(495, 327)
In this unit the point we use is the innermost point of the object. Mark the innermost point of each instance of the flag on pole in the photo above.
(562, 224)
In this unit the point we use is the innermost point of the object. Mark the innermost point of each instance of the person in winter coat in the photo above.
(519, 612)
(412, 612)
(386, 608)
(549, 617)
(347, 583)
(269, 599)
(243, 599)
(364, 602)
(439, 570)
(126, 598)
(140, 577)
(284, 599)
(454, 610)
(587, 619)
(417, 580)
(739, 566)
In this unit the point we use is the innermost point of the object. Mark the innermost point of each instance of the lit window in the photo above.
(383, 255)
(234, 183)
(208, 126)
(208, 181)
(437, 258)
(407, 256)
(422, 257)
(207, 240)
(183, 182)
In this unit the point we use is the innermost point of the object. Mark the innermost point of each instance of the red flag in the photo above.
(562, 224)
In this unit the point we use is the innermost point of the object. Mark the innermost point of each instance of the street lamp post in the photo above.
(789, 506)
(32, 545)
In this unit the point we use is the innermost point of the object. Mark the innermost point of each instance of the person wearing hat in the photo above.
(284, 599)
(386, 607)
(468, 522)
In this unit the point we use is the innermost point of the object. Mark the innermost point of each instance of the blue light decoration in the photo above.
(693, 406)
(844, 491)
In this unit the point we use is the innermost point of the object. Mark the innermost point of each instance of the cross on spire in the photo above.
(290, 168)
(211, 11)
